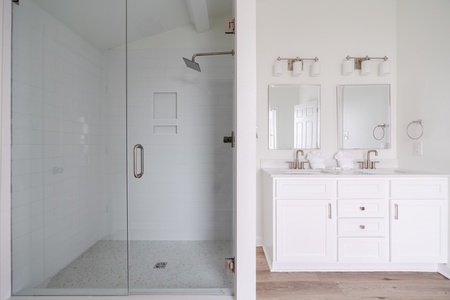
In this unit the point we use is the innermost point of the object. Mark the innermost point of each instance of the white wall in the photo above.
(330, 30)
(245, 150)
(58, 200)
(423, 82)
(186, 192)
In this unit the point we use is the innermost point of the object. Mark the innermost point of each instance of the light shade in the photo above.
(385, 68)
(365, 67)
(347, 67)
(297, 68)
(278, 68)
(315, 68)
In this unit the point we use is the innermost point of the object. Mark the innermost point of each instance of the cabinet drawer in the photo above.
(362, 227)
(362, 189)
(303, 189)
(419, 188)
(362, 208)
(363, 250)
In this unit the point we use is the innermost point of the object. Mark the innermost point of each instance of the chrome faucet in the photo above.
(297, 164)
(369, 164)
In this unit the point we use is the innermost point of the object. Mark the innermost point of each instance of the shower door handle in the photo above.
(135, 149)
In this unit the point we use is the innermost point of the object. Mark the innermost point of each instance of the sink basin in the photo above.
(302, 171)
(379, 171)
(345, 172)
(340, 172)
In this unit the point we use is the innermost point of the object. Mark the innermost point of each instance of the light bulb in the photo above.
(347, 67)
(278, 68)
(385, 68)
(365, 67)
(297, 67)
(315, 68)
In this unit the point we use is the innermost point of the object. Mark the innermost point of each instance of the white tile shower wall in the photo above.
(186, 191)
(58, 201)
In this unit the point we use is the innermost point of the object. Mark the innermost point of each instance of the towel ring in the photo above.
(382, 126)
(416, 122)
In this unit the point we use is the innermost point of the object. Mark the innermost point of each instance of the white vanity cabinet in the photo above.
(305, 231)
(357, 222)
(299, 221)
(419, 220)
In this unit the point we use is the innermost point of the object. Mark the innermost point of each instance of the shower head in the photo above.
(192, 64)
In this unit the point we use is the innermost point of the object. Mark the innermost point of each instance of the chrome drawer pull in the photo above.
(362, 226)
(362, 208)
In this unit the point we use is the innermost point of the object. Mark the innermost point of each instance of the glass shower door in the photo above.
(181, 208)
(121, 182)
(69, 192)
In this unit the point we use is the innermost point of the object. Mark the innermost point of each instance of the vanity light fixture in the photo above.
(296, 66)
(364, 64)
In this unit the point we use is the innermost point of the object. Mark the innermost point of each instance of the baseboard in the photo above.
(259, 241)
(444, 270)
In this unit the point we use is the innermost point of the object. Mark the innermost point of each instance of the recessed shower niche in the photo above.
(165, 113)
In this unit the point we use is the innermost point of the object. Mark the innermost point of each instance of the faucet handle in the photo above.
(290, 164)
(372, 165)
(302, 164)
(362, 164)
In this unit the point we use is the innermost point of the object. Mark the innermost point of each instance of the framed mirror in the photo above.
(364, 120)
(294, 116)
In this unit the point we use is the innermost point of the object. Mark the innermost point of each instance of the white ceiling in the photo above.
(102, 22)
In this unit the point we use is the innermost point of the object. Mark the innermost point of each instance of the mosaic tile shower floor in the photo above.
(190, 264)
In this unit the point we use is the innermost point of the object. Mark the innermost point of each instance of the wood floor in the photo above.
(348, 286)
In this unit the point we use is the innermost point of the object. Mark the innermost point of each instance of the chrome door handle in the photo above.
(329, 210)
(141, 173)
(396, 211)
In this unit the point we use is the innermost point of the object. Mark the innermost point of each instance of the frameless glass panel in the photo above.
(181, 208)
(69, 205)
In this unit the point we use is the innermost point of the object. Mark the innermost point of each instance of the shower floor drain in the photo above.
(160, 265)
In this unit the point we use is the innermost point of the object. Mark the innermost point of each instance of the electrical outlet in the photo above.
(417, 149)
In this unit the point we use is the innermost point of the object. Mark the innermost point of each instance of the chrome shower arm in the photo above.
(212, 53)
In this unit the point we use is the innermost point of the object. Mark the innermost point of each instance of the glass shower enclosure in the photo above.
(121, 183)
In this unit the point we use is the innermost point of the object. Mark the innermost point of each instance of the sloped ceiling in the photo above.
(102, 22)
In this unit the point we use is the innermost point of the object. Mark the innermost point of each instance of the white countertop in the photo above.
(314, 173)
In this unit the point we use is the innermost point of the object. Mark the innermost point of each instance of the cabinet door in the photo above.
(306, 231)
(419, 231)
